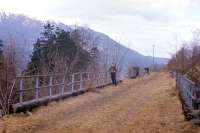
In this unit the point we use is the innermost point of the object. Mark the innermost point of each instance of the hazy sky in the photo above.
(138, 24)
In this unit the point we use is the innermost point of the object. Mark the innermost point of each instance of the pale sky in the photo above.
(138, 24)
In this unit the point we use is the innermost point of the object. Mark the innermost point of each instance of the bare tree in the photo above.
(7, 77)
(187, 59)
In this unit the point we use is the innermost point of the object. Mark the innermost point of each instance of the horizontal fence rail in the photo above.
(38, 88)
(189, 94)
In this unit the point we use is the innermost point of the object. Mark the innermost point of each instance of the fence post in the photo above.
(63, 87)
(95, 77)
(101, 79)
(21, 91)
(50, 85)
(98, 79)
(37, 88)
(72, 83)
(103, 76)
(81, 80)
(106, 77)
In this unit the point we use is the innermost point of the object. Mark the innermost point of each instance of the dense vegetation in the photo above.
(187, 60)
(58, 51)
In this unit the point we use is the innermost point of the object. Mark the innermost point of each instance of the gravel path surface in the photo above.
(145, 105)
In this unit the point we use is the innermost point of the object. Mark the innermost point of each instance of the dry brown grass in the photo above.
(145, 105)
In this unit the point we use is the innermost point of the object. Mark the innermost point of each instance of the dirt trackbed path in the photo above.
(145, 105)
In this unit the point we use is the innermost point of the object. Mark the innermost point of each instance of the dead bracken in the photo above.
(132, 107)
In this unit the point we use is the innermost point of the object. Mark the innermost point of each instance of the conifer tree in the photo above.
(57, 51)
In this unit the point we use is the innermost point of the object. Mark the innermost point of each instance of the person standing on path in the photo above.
(113, 71)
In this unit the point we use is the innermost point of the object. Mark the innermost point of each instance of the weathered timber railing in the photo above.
(189, 94)
(32, 90)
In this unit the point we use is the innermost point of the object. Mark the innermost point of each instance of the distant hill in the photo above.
(25, 32)
(128, 56)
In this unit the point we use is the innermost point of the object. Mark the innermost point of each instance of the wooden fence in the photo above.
(190, 97)
(33, 90)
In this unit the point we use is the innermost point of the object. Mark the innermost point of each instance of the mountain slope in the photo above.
(25, 32)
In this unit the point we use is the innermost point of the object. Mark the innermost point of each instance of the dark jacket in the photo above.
(112, 69)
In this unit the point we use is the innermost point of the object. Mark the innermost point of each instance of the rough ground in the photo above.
(145, 105)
